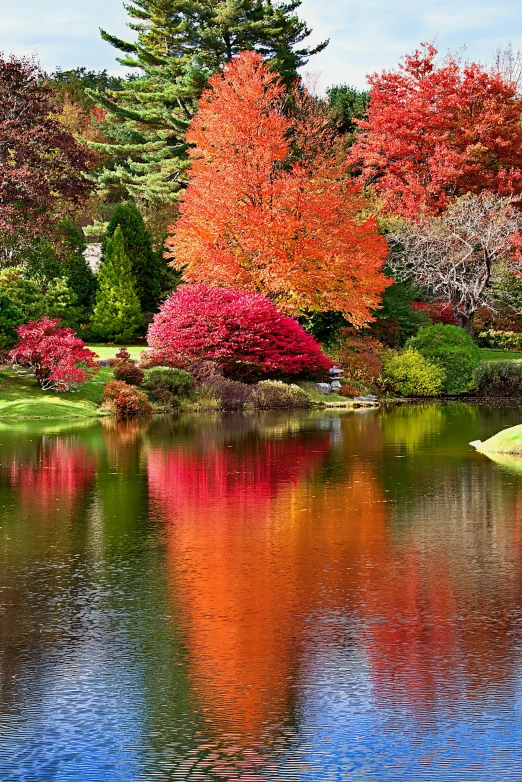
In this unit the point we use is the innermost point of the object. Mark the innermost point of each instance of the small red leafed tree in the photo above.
(266, 209)
(436, 132)
(57, 358)
(241, 331)
(42, 167)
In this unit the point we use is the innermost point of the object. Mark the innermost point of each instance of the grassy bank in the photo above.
(22, 398)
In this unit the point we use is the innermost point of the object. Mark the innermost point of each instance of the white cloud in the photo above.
(364, 37)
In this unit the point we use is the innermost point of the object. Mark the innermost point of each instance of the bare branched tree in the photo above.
(509, 64)
(462, 257)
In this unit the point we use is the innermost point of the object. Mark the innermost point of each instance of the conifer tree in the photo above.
(117, 314)
(148, 267)
(179, 45)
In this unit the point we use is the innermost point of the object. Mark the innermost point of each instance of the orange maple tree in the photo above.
(436, 132)
(257, 215)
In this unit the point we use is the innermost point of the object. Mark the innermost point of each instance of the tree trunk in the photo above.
(465, 321)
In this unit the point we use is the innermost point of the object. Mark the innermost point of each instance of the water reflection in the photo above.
(262, 597)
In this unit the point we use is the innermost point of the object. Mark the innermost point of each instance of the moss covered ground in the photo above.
(506, 441)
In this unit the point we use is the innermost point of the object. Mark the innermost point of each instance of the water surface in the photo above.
(318, 596)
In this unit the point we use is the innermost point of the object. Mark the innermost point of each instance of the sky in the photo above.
(365, 36)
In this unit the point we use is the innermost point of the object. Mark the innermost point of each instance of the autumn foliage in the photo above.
(257, 215)
(435, 132)
(56, 356)
(242, 331)
(42, 166)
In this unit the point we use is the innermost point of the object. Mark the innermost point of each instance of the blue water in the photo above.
(319, 596)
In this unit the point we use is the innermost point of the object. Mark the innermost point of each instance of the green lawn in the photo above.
(22, 397)
(109, 351)
(500, 355)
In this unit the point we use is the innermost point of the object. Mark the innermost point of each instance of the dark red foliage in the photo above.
(243, 332)
(129, 373)
(42, 166)
(437, 312)
(56, 356)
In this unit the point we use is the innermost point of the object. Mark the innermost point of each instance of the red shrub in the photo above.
(55, 356)
(243, 332)
(129, 373)
(437, 312)
(360, 357)
(122, 356)
(127, 400)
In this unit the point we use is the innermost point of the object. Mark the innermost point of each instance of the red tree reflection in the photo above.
(52, 485)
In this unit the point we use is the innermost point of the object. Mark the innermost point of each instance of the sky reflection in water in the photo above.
(307, 597)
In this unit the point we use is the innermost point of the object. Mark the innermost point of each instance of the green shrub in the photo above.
(168, 386)
(270, 394)
(410, 374)
(10, 317)
(498, 379)
(503, 340)
(452, 349)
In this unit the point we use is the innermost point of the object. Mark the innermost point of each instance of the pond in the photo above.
(318, 596)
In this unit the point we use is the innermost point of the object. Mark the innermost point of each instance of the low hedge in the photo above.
(499, 379)
(167, 386)
(274, 394)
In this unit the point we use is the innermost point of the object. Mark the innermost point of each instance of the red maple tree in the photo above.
(264, 212)
(435, 132)
(57, 358)
(242, 331)
(42, 167)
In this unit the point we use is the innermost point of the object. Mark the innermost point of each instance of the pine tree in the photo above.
(117, 314)
(180, 44)
(148, 267)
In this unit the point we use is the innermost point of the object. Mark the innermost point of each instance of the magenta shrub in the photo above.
(243, 332)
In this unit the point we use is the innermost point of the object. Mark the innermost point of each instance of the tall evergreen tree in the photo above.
(117, 314)
(148, 267)
(180, 43)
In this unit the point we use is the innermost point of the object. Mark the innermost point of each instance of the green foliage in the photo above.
(149, 269)
(346, 105)
(60, 301)
(272, 394)
(11, 316)
(396, 321)
(179, 45)
(452, 349)
(167, 386)
(46, 260)
(117, 315)
(498, 379)
(325, 326)
(24, 293)
(504, 340)
(410, 374)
